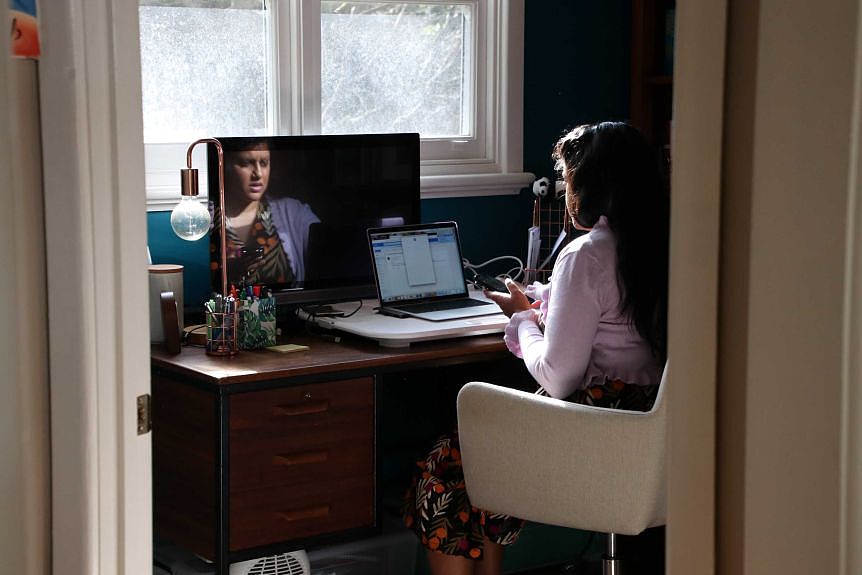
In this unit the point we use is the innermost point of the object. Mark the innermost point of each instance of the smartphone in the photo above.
(488, 282)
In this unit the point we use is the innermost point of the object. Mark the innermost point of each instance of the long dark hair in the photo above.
(614, 172)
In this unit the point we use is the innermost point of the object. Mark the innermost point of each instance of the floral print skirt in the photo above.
(436, 506)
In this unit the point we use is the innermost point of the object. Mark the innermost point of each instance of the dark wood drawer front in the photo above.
(310, 433)
(280, 411)
(287, 461)
(264, 516)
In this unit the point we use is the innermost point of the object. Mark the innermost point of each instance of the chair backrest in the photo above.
(562, 463)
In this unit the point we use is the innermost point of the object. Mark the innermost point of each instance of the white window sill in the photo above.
(467, 185)
(432, 187)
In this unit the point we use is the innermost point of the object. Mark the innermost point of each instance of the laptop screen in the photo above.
(417, 262)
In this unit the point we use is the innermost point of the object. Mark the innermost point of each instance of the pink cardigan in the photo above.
(585, 339)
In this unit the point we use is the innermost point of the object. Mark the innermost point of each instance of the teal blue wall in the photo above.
(167, 248)
(577, 56)
(576, 70)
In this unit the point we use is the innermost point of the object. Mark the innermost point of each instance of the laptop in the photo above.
(418, 273)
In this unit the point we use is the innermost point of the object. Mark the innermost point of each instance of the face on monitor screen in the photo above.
(297, 207)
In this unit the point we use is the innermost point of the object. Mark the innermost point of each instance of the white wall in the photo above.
(786, 199)
(787, 393)
(24, 467)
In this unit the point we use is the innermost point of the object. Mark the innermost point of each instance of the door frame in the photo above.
(696, 141)
(96, 238)
(95, 219)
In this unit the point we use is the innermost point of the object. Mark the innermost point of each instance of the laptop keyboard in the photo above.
(441, 305)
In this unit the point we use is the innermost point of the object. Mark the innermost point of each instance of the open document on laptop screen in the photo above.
(418, 263)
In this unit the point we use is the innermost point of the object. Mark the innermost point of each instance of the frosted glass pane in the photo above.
(396, 68)
(204, 72)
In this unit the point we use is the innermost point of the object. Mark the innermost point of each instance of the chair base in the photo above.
(610, 563)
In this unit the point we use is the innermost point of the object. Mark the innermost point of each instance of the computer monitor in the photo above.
(298, 207)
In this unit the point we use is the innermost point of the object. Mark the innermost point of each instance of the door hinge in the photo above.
(145, 417)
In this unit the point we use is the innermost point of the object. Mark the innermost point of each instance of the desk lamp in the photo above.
(190, 220)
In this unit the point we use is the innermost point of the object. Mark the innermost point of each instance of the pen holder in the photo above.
(221, 333)
(257, 323)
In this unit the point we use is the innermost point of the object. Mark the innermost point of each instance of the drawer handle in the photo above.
(318, 406)
(302, 457)
(305, 513)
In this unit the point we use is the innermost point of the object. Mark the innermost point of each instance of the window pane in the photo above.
(203, 69)
(388, 67)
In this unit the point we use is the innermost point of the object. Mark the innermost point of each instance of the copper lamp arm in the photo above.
(222, 234)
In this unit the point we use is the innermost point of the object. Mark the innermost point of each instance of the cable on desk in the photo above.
(195, 335)
(324, 310)
(359, 307)
(513, 273)
(312, 328)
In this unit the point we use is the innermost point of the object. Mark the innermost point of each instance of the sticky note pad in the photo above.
(288, 347)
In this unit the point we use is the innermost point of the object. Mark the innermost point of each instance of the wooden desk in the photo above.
(265, 452)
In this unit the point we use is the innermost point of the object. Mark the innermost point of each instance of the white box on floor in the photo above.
(392, 553)
(172, 560)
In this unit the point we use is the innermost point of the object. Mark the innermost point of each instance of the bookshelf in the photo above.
(652, 70)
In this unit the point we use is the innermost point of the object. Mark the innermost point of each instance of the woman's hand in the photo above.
(511, 302)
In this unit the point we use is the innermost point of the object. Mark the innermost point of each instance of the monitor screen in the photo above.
(298, 207)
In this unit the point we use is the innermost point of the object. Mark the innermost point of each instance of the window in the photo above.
(204, 70)
(417, 79)
(451, 71)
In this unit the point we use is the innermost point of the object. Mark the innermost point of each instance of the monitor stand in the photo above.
(401, 332)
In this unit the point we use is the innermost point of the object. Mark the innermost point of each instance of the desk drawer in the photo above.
(283, 411)
(288, 461)
(313, 433)
(271, 515)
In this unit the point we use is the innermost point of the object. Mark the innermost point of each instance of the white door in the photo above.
(24, 441)
(95, 215)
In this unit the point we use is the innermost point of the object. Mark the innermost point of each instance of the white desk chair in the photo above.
(561, 463)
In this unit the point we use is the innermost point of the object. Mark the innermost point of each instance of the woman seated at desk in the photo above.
(595, 334)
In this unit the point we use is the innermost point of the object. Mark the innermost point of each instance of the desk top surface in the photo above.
(403, 332)
(352, 354)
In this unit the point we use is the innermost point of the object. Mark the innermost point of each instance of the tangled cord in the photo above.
(311, 313)
(513, 273)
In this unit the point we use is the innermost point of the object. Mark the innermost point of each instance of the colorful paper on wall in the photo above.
(24, 29)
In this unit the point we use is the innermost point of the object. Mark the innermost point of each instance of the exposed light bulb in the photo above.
(190, 219)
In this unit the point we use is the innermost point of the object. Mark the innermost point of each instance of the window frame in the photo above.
(488, 164)
(449, 151)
